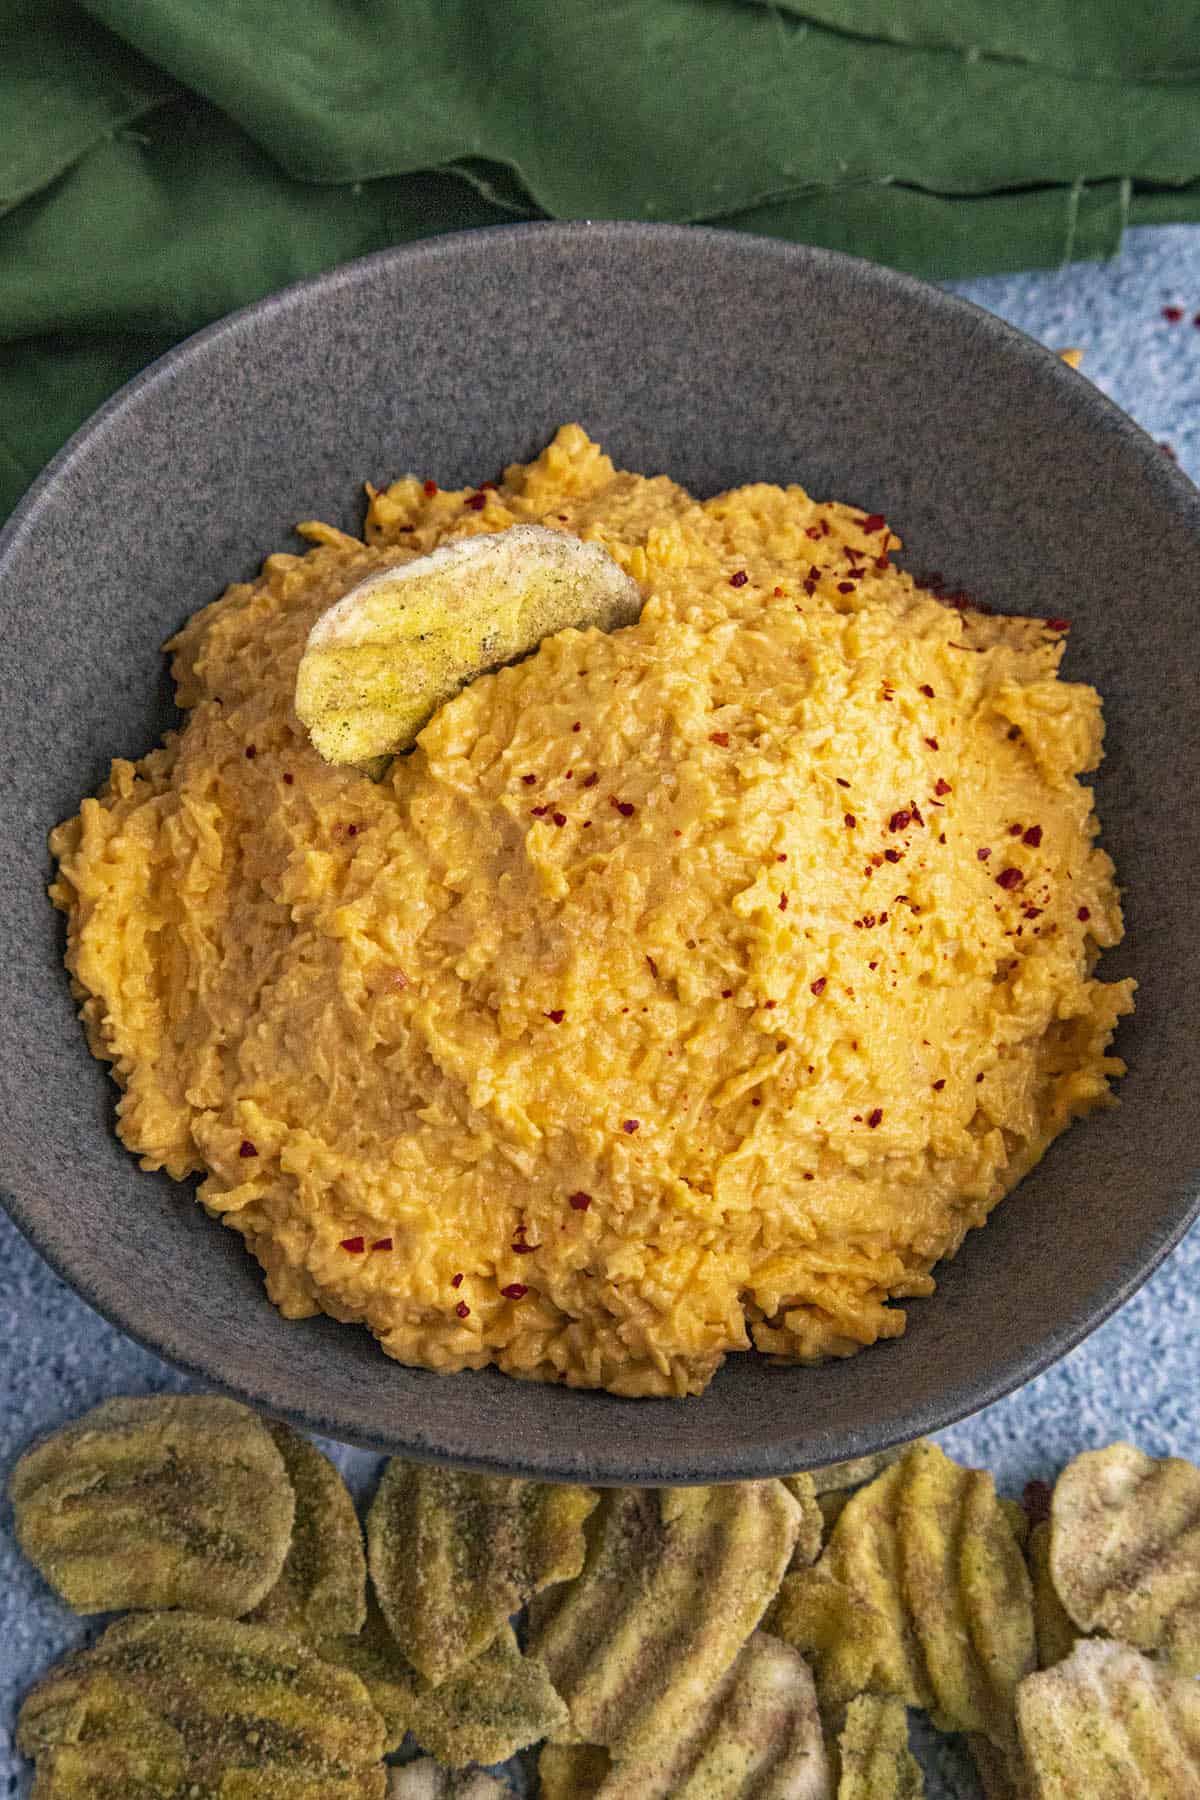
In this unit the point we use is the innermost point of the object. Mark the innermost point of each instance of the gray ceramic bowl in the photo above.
(722, 359)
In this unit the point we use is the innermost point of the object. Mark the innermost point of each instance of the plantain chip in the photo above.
(172, 1705)
(1056, 1635)
(675, 1581)
(170, 1501)
(490, 1708)
(380, 662)
(835, 1477)
(572, 1771)
(374, 1656)
(1125, 1549)
(1108, 1724)
(876, 1762)
(453, 1556)
(811, 1534)
(322, 1590)
(922, 1594)
(427, 1780)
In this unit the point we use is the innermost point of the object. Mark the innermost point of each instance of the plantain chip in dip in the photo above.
(690, 987)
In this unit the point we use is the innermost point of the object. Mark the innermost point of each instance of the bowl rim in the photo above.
(957, 1400)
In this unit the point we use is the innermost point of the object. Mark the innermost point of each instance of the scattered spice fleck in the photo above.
(355, 1245)
(782, 856)
(770, 1005)
(556, 1016)
(740, 579)
(626, 808)
(539, 812)
(382, 1244)
(812, 531)
(979, 1077)
(899, 821)
(352, 831)
(456, 1281)
(892, 856)
(529, 780)
(756, 1101)
(251, 752)
(430, 489)
(841, 781)
(778, 593)
(591, 780)
(874, 522)
(927, 690)
(1172, 314)
(491, 486)
(875, 1118)
(845, 587)
(850, 821)
(932, 742)
(577, 726)
(1033, 836)
(725, 993)
(1084, 914)
(818, 986)
(560, 819)
(246, 1148)
(1058, 624)
(288, 778)
(983, 854)
(630, 1125)
(941, 786)
(719, 737)
(1015, 830)
(463, 1310)
(783, 902)
(477, 502)
(580, 1202)
(515, 1290)
(1009, 878)
(521, 1248)
(939, 1085)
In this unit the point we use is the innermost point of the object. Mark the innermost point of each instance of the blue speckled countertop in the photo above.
(1138, 1377)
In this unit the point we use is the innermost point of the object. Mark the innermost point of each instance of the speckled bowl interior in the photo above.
(721, 359)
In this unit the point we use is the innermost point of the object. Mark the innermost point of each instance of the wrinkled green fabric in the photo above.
(162, 162)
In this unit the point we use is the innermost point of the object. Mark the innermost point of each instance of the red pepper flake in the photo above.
(873, 965)
(1015, 830)
(288, 778)
(983, 855)
(529, 780)
(782, 856)
(490, 486)
(1033, 837)
(845, 587)
(740, 579)
(783, 902)
(577, 726)
(1172, 314)
(841, 781)
(456, 1281)
(352, 831)
(1036, 1500)
(883, 562)
(1009, 878)
(539, 812)
(818, 986)
(355, 1245)
(917, 815)
(579, 1202)
(932, 742)
(555, 1017)
(251, 752)
(939, 1085)
(477, 502)
(900, 821)
(246, 1148)
(1084, 914)
(1058, 624)
(941, 837)
(590, 780)
(719, 737)
(630, 1125)
(515, 1290)
(892, 856)
(756, 1101)
(778, 593)
(463, 1310)
(560, 819)
(850, 821)
(883, 918)
(653, 967)
(770, 1005)
(942, 787)
(874, 522)
(1033, 912)
(521, 1248)
(406, 528)
(430, 489)
(824, 524)
(812, 531)
(626, 808)
(382, 1244)
(875, 1118)
(726, 993)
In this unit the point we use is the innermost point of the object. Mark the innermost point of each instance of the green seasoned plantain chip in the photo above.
(453, 1556)
(170, 1501)
(876, 1762)
(811, 1534)
(1125, 1549)
(176, 1705)
(922, 1594)
(427, 1780)
(381, 661)
(374, 1656)
(857, 1472)
(490, 1708)
(1056, 1635)
(322, 1590)
(572, 1771)
(1108, 1724)
(675, 1581)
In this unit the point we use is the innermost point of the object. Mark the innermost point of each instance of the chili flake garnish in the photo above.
(778, 592)
(246, 1148)
(491, 486)
(456, 1281)
(556, 1017)
(932, 742)
(983, 855)
(892, 856)
(529, 780)
(354, 1245)
(477, 502)
(560, 819)
(899, 821)
(288, 778)
(463, 1310)
(841, 781)
(1172, 314)
(626, 808)
(781, 856)
(251, 752)
(1058, 624)
(1033, 836)
(630, 1125)
(719, 737)
(939, 1085)
(818, 986)
(515, 1290)
(580, 1202)
(1084, 914)
(725, 993)
(430, 489)
(539, 812)
(1009, 878)
(812, 531)
(590, 781)
(845, 587)
(850, 821)
(783, 902)
(874, 522)
(927, 690)
(740, 579)
(875, 1118)
(521, 1248)
(1015, 830)
(382, 1244)
(577, 726)
(942, 787)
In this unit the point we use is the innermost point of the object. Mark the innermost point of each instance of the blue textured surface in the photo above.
(1136, 1378)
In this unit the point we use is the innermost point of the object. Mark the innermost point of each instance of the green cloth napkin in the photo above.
(163, 162)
